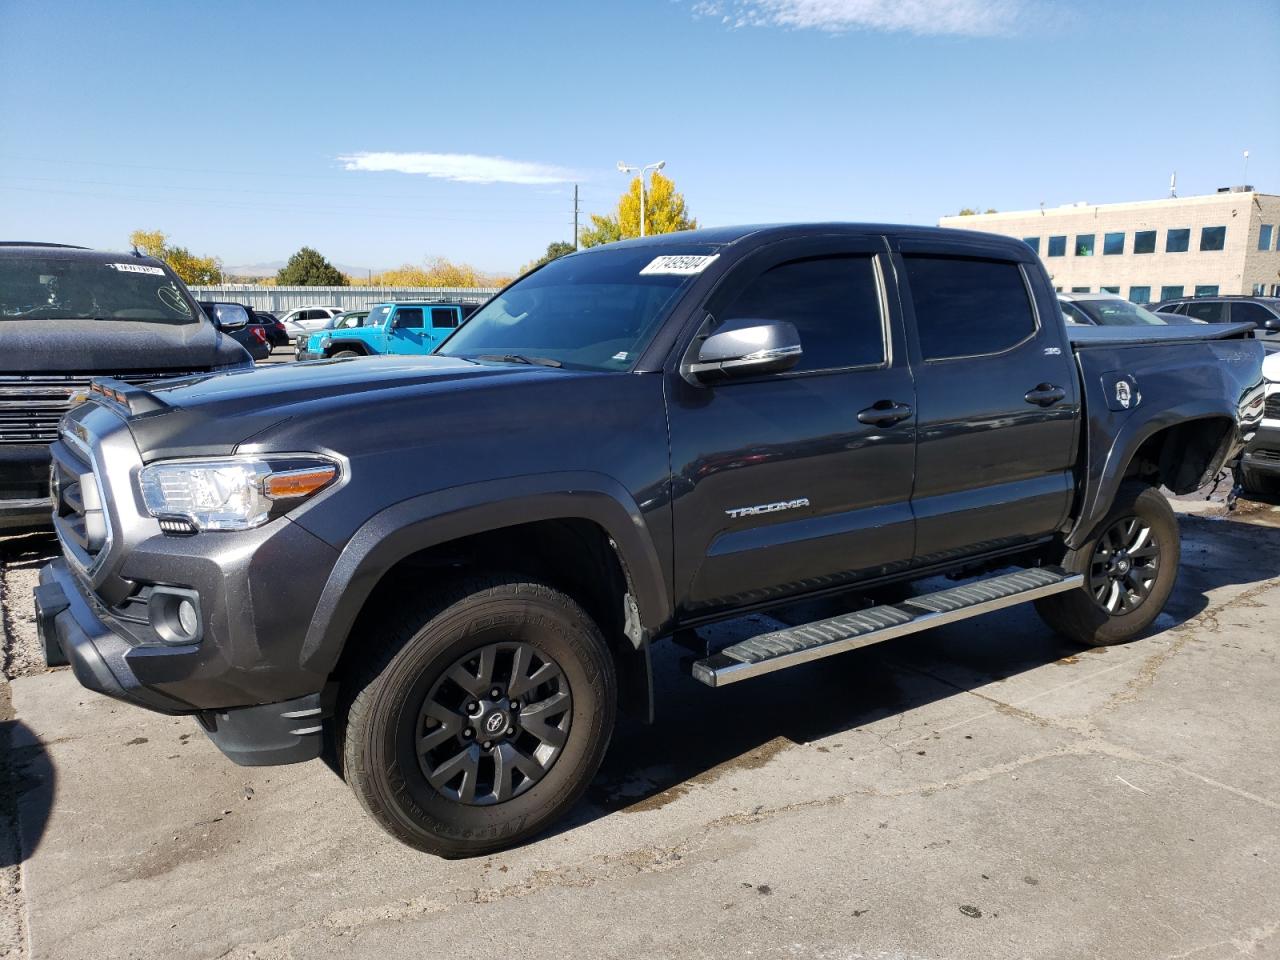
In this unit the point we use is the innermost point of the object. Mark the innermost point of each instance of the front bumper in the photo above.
(1262, 456)
(72, 630)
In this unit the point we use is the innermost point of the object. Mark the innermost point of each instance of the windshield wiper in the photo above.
(520, 358)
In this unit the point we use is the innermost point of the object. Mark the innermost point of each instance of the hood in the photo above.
(221, 411)
(113, 346)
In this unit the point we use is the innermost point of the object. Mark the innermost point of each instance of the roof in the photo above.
(62, 251)
(721, 236)
(1075, 297)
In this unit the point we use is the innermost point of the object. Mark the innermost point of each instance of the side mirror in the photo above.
(229, 317)
(1271, 325)
(748, 348)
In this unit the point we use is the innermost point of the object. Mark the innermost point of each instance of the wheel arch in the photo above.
(358, 345)
(1180, 453)
(498, 521)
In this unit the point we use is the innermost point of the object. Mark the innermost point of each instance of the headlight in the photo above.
(233, 493)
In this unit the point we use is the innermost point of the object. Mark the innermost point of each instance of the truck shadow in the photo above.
(702, 734)
(27, 788)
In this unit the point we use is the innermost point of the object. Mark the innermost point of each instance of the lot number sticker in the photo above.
(684, 266)
(136, 268)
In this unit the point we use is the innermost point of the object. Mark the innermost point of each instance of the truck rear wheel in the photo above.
(1129, 565)
(479, 718)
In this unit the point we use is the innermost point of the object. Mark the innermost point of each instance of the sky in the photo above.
(387, 133)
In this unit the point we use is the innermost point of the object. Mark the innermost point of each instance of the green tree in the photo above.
(665, 212)
(970, 212)
(190, 268)
(307, 268)
(555, 250)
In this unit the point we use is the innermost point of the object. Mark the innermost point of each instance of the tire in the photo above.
(1110, 608)
(1257, 483)
(340, 354)
(406, 692)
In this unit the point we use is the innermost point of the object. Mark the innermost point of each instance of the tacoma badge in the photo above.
(781, 505)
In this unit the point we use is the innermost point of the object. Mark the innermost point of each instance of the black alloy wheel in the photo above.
(1125, 564)
(494, 724)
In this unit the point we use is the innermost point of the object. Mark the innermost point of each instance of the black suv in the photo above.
(1262, 312)
(68, 314)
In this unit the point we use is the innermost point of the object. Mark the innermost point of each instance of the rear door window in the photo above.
(834, 303)
(967, 306)
(444, 318)
(1208, 311)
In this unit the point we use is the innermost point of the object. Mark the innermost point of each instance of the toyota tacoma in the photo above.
(445, 573)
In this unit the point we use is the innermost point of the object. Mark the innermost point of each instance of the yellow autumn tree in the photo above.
(435, 272)
(665, 212)
(190, 268)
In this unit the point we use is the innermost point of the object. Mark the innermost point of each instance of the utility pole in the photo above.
(575, 216)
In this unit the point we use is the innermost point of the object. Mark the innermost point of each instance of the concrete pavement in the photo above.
(981, 791)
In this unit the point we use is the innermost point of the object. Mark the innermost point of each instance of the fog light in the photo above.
(175, 615)
(187, 618)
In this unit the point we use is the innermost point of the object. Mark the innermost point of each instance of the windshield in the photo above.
(46, 288)
(1118, 313)
(594, 311)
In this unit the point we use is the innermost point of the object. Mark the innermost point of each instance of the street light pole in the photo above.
(624, 168)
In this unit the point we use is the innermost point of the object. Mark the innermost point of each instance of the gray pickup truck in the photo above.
(445, 573)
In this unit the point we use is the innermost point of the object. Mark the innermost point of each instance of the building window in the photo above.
(1170, 293)
(1206, 290)
(1115, 290)
(1079, 289)
(1275, 289)
(1265, 233)
(1177, 241)
(1259, 289)
(1213, 238)
(1139, 294)
(1112, 244)
(1084, 244)
(1058, 246)
(1144, 241)
(1032, 242)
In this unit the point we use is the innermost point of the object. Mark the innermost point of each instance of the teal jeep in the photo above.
(402, 327)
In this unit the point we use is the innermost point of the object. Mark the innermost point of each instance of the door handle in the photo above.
(884, 413)
(1046, 395)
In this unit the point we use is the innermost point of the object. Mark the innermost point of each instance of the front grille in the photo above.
(1272, 411)
(79, 517)
(32, 404)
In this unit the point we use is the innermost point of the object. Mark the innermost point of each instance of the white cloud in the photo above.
(974, 18)
(461, 167)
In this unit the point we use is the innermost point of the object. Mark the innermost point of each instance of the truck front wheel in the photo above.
(1129, 566)
(477, 719)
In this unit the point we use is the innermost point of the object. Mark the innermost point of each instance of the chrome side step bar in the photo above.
(823, 638)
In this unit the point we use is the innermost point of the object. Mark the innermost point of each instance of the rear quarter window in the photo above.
(967, 306)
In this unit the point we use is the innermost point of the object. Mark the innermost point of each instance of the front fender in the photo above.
(435, 518)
